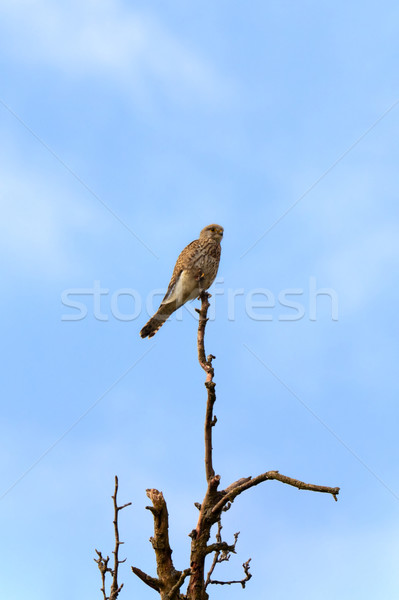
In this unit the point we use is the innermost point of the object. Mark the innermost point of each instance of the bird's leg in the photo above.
(199, 277)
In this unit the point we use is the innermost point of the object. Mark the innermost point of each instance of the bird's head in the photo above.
(213, 231)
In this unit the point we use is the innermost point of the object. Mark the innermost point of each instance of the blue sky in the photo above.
(125, 129)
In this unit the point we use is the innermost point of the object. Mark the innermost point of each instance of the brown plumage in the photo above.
(195, 270)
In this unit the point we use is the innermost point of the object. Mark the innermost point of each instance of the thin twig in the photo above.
(115, 588)
(216, 555)
(103, 562)
(241, 581)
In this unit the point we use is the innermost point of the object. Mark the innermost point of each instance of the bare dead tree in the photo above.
(169, 580)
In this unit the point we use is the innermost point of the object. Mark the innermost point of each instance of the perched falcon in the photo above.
(195, 270)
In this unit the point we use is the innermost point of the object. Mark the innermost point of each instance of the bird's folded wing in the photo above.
(184, 288)
(183, 261)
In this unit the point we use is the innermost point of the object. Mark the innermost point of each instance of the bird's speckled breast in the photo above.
(207, 261)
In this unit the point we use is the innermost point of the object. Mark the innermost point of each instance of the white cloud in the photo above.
(104, 38)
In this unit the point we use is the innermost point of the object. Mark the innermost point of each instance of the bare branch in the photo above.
(241, 581)
(269, 475)
(152, 582)
(203, 319)
(160, 541)
(199, 544)
(222, 553)
(237, 483)
(209, 422)
(104, 569)
(206, 364)
(178, 583)
(216, 555)
(115, 588)
(103, 562)
(168, 577)
(220, 547)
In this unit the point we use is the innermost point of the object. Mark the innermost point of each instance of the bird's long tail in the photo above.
(156, 322)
